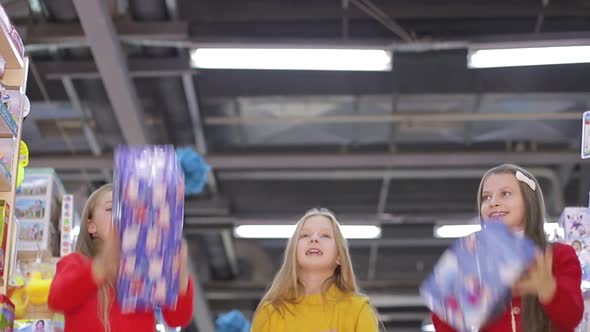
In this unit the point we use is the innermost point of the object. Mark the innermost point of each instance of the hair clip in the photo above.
(523, 178)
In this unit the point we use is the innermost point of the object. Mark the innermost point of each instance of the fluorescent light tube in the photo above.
(428, 328)
(286, 231)
(292, 59)
(455, 231)
(528, 56)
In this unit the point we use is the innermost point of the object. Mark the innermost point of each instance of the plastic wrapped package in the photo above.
(6, 314)
(148, 208)
(472, 280)
(575, 222)
(18, 42)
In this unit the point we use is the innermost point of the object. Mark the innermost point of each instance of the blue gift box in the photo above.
(473, 278)
(148, 209)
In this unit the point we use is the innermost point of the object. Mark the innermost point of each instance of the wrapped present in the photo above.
(472, 280)
(148, 208)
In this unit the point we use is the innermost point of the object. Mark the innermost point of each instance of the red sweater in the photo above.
(75, 293)
(565, 309)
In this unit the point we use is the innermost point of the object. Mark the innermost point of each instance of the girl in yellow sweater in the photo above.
(315, 290)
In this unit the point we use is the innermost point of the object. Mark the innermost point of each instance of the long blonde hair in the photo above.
(533, 316)
(288, 288)
(89, 246)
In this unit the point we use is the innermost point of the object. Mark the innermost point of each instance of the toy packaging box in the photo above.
(575, 222)
(37, 208)
(6, 314)
(472, 280)
(148, 208)
(584, 325)
(4, 222)
(66, 223)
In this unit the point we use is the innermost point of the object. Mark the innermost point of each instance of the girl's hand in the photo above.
(539, 279)
(184, 273)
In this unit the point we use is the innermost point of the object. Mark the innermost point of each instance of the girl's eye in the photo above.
(304, 235)
(109, 209)
(485, 197)
(506, 193)
(326, 236)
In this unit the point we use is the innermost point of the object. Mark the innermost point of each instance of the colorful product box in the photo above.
(66, 225)
(4, 222)
(6, 314)
(472, 280)
(575, 222)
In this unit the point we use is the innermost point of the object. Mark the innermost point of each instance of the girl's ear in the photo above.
(338, 261)
(91, 226)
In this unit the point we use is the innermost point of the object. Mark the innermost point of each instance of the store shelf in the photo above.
(8, 127)
(16, 78)
(10, 52)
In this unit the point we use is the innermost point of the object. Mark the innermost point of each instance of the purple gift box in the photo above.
(472, 280)
(148, 209)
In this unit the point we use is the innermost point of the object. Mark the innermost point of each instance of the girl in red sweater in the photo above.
(83, 284)
(548, 297)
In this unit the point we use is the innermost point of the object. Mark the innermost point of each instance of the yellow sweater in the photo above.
(340, 312)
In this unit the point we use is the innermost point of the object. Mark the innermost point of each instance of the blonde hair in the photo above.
(288, 288)
(89, 246)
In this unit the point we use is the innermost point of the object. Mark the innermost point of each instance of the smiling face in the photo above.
(502, 199)
(316, 245)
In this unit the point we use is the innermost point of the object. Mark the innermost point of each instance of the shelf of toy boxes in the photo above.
(45, 218)
(14, 106)
(13, 85)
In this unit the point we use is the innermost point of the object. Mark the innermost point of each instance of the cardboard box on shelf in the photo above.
(66, 225)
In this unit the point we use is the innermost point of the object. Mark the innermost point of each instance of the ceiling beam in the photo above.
(397, 118)
(75, 69)
(455, 173)
(108, 54)
(332, 161)
(194, 110)
(43, 35)
(313, 10)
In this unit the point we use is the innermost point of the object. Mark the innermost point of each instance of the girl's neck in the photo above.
(314, 280)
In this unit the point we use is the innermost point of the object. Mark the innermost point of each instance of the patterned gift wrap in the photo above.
(148, 208)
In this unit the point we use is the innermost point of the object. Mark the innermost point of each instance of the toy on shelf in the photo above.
(4, 222)
(23, 161)
(6, 314)
(575, 222)
(472, 280)
(6, 155)
(148, 206)
(29, 288)
(66, 223)
(13, 104)
(38, 210)
(33, 325)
